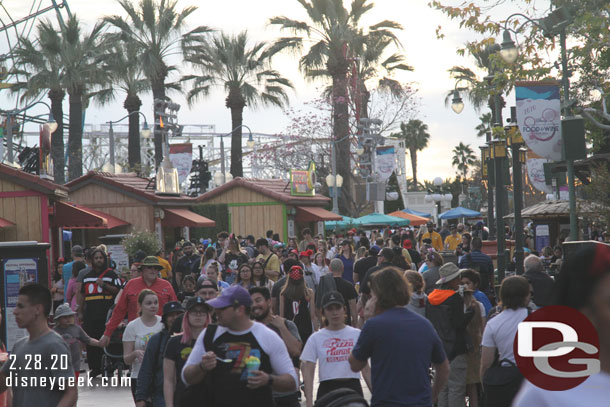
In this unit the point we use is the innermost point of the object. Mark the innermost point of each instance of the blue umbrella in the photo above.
(418, 213)
(459, 212)
(379, 219)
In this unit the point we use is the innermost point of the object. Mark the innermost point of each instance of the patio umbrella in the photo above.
(346, 223)
(459, 212)
(417, 213)
(415, 220)
(379, 219)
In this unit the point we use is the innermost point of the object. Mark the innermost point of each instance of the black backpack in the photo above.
(438, 315)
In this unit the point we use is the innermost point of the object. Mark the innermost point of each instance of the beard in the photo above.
(260, 317)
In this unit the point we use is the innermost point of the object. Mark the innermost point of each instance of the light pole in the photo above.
(514, 139)
(438, 197)
(555, 23)
(222, 177)
(144, 132)
(334, 180)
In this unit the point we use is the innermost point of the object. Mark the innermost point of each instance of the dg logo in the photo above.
(556, 348)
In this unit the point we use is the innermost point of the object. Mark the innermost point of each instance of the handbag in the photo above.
(501, 384)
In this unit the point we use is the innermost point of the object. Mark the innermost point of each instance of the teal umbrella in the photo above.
(346, 223)
(379, 219)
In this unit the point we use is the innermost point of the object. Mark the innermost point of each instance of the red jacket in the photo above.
(128, 302)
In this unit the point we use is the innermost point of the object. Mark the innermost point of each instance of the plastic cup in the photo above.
(252, 364)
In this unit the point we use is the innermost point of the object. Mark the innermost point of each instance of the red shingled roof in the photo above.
(277, 189)
(131, 183)
(31, 181)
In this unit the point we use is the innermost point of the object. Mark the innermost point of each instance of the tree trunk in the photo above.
(365, 98)
(75, 138)
(158, 88)
(57, 138)
(235, 101)
(414, 168)
(132, 104)
(341, 134)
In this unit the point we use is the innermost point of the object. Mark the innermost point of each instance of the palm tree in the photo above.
(484, 127)
(40, 63)
(416, 137)
(82, 57)
(127, 76)
(463, 158)
(245, 73)
(334, 31)
(158, 31)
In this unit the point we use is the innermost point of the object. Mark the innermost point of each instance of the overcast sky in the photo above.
(430, 57)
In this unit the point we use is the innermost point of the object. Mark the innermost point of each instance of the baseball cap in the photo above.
(374, 250)
(232, 296)
(204, 282)
(173, 306)
(194, 301)
(332, 297)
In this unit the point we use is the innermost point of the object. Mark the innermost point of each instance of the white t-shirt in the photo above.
(140, 334)
(270, 342)
(593, 392)
(332, 349)
(500, 332)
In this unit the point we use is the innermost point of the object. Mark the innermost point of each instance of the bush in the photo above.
(141, 240)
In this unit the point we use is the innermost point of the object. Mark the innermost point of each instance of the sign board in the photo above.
(17, 273)
(385, 162)
(543, 237)
(181, 156)
(303, 182)
(539, 117)
(120, 257)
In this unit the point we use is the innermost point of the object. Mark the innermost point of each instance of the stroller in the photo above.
(112, 359)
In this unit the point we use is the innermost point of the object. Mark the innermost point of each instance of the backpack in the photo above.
(327, 284)
(438, 315)
(201, 394)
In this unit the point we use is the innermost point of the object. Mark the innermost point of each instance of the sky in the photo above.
(430, 57)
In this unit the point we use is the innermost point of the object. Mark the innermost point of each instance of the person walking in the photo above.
(435, 238)
(128, 301)
(150, 386)
(137, 334)
(99, 289)
(482, 263)
(31, 313)
(244, 276)
(331, 347)
(179, 347)
(434, 262)
(271, 263)
(57, 288)
(388, 339)
(418, 300)
(187, 264)
(259, 278)
(77, 256)
(450, 311)
(262, 312)
(541, 282)
(223, 354)
(297, 303)
(346, 255)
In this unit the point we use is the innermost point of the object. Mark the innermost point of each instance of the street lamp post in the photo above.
(438, 197)
(223, 177)
(498, 155)
(515, 140)
(555, 23)
(144, 132)
(487, 168)
(334, 180)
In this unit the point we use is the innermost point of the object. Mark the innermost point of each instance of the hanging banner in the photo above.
(535, 172)
(539, 117)
(303, 182)
(385, 162)
(181, 156)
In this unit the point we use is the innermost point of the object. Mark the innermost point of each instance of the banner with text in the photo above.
(385, 162)
(539, 117)
(181, 156)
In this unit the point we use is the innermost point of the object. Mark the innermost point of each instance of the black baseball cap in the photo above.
(196, 300)
(173, 306)
(206, 283)
(332, 297)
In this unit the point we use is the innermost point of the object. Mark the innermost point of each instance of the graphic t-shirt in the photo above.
(332, 349)
(72, 335)
(237, 346)
(140, 334)
(54, 354)
(97, 299)
(178, 352)
(232, 263)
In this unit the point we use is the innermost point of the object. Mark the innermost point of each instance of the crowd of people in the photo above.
(240, 321)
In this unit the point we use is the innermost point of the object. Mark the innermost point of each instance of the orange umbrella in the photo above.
(415, 220)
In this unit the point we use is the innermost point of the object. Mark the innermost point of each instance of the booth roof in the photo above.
(277, 189)
(131, 184)
(32, 181)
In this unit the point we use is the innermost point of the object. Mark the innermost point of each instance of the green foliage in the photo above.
(416, 137)
(463, 158)
(392, 186)
(141, 240)
(219, 213)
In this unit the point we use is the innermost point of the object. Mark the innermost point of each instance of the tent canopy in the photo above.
(379, 219)
(459, 212)
(346, 223)
(415, 220)
(417, 213)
